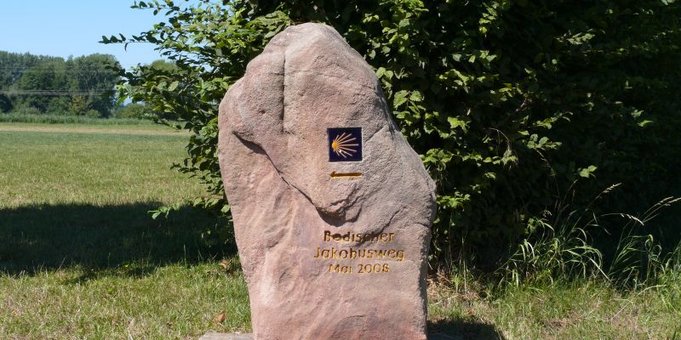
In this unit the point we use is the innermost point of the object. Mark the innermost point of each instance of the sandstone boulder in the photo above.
(332, 208)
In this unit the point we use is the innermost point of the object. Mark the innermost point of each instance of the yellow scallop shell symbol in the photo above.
(343, 145)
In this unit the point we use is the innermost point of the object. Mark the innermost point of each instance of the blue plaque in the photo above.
(345, 144)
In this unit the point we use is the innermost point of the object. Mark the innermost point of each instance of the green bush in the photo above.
(26, 110)
(92, 114)
(133, 110)
(5, 103)
(40, 118)
(508, 102)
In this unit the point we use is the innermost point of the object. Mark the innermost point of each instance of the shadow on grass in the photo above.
(462, 329)
(120, 240)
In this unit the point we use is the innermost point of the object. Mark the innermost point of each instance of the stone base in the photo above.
(226, 336)
(236, 336)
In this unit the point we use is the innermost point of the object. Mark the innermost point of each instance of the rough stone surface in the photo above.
(325, 257)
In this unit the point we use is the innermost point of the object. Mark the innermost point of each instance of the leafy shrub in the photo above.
(133, 110)
(26, 110)
(5, 103)
(508, 102)
(92, 114)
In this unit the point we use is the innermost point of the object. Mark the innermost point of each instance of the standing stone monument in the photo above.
(332, 208)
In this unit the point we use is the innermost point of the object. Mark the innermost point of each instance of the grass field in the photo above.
(81, 258)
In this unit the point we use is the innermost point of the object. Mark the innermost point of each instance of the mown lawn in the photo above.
(81, 258)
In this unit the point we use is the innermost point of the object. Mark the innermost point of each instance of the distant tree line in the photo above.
(81, 86)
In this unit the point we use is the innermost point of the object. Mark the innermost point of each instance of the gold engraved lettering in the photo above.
(373, 268)
(351, 237)
(359, 253)
(361, 247)
(337, 268)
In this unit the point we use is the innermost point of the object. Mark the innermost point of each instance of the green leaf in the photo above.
(588, 171)
(645, 123)
(455, 123)
(400, 98)
(173, 85)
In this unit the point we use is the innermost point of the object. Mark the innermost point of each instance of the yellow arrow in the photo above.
(348, 175)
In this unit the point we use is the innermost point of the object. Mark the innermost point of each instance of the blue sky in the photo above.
(74, 27)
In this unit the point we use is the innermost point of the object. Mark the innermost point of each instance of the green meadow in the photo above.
(81, 257)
